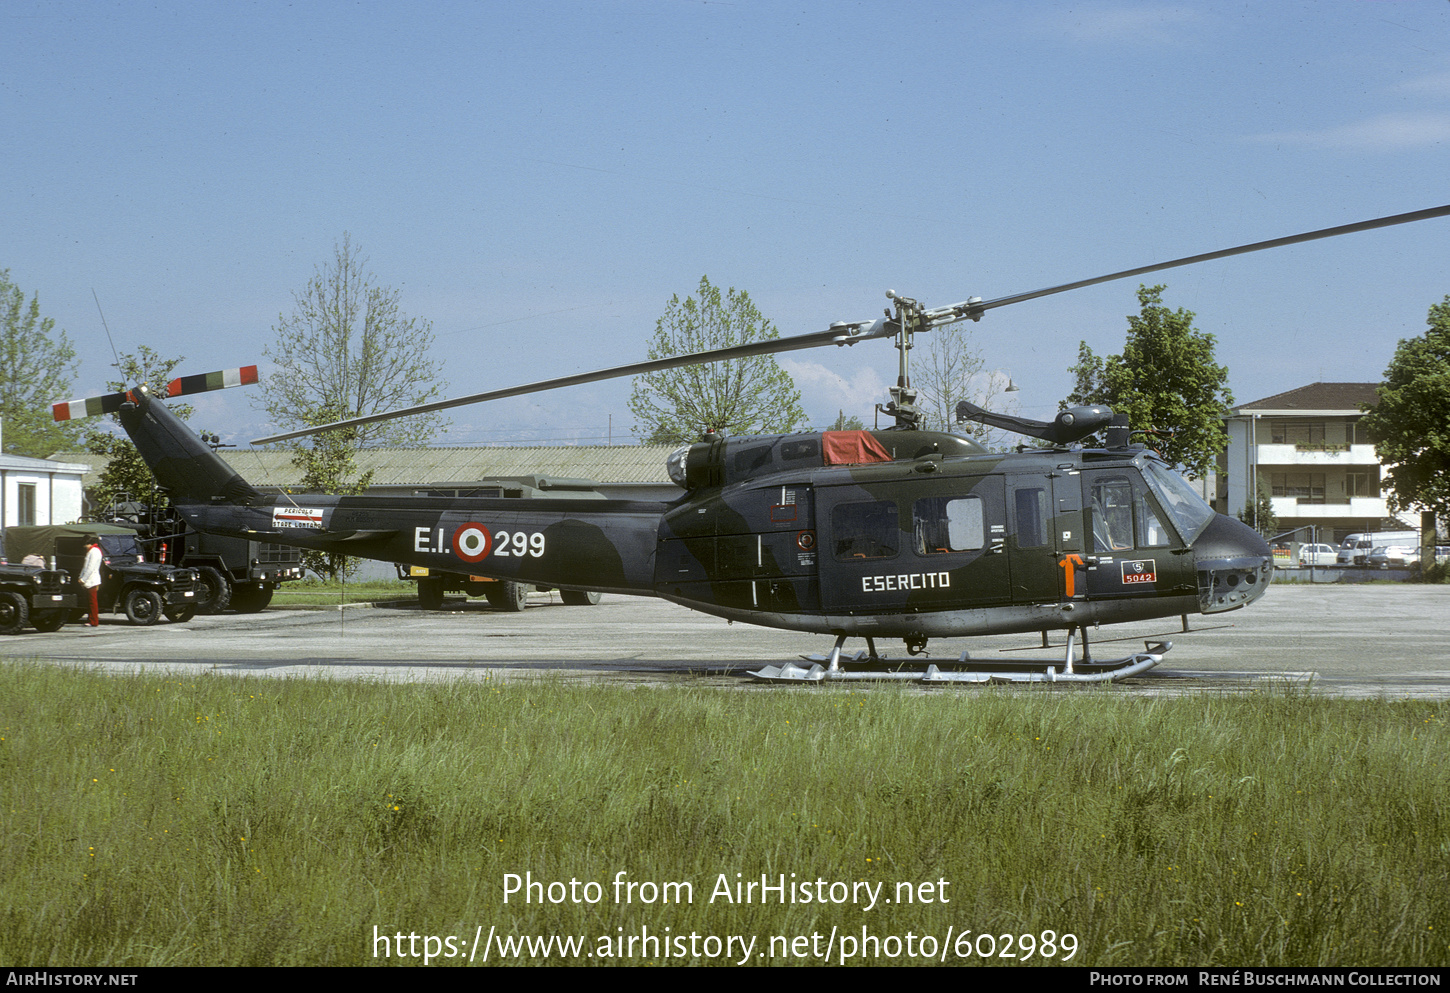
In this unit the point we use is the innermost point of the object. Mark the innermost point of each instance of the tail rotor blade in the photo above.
(106, 403)
(205, 382)
(110, 403)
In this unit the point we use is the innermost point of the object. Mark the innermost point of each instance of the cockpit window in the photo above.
(1121, 516)
(1188, 510)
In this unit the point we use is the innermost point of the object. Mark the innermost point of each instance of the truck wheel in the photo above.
(49, 620)
(250, 601)
(143, 607)
(214, 590)
(14, 613)
(430, 593)
(579, 598)
(509, 596)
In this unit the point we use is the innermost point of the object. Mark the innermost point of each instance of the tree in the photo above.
(1166, 381)
(348, 349)
(944, 375)
(37, 368)
(949, 370)
(327, 466)
(1260, 515)
(739, 397)
(1087, 378)
(1410, 424)
(126, 474)
(844, 423)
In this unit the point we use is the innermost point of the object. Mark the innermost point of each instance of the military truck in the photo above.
(502, 594)
(232, 573)
(144, 591)
(34, 596)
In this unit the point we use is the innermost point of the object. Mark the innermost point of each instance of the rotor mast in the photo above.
(911, 317)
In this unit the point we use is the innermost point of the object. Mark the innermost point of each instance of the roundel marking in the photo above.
(472, 542)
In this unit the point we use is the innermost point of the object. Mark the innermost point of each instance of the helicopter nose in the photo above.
(1234, 565)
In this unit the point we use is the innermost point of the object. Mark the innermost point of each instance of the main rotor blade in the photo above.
(1258, 246)
(839, 334)
(849, 334)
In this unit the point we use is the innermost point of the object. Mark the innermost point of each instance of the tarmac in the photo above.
(1359, 641)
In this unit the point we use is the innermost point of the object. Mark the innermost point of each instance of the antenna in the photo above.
(114, 353)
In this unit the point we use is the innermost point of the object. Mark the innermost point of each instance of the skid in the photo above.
(1063, 670)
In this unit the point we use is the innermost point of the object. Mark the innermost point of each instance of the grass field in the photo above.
(312, 593)
(223, 820)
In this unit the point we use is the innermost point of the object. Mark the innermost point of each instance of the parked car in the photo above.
(1318, 555)
(1355, 549)
(35, 596)
(144, 591)
(1393, 557)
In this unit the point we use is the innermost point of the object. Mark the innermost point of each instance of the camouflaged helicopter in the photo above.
(893, 533)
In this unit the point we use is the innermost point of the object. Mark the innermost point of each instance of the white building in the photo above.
(39, 491)
(1306, 450)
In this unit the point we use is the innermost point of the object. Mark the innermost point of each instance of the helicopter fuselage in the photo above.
(934, 538)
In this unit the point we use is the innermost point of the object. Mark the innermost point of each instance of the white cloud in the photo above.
(1385, 133)
(1154, 25)
(824, 392)
(1433, 85)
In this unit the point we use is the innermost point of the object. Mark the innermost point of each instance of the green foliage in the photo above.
(1166, 381)
(844, 423)
(1087, 378)
(37, 367)
(739, 397)
(1411, 422)
(1261, 517)
(329, 465)
(126, 474)
(348, 349)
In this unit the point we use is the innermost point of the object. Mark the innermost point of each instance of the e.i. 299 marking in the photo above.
(473, 542)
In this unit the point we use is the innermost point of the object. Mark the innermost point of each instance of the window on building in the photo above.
(1306, 487)
(1362, 482)
(25, 499)
(1297, 432)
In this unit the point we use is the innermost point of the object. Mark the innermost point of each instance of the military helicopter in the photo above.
(896, 533)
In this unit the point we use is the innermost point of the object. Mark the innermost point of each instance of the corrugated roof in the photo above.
(1319, 396)
(417, 466)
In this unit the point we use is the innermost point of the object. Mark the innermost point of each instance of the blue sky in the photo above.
(539, 179)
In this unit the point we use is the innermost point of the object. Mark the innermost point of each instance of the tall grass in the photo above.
(250, 821)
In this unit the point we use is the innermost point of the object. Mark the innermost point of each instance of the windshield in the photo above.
(1189, 511)
(120, 546)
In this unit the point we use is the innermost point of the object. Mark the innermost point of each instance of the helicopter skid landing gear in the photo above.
(836, 657)
(968, 670)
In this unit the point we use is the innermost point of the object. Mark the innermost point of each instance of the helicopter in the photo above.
(896, 533)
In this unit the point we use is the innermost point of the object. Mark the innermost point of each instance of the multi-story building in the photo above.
(1308, 453)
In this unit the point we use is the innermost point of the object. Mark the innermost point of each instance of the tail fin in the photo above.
(182, 463)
